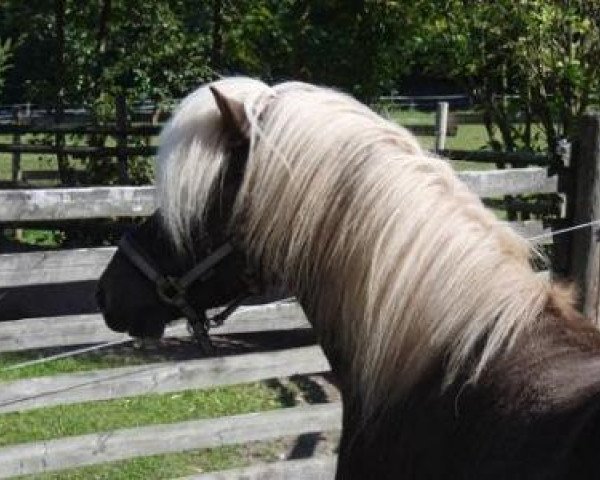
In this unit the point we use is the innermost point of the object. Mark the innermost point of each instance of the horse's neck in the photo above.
(535, 413)
(557, 365)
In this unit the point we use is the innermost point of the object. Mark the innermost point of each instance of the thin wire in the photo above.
(564, 230)
(129, 339)
(70, 353)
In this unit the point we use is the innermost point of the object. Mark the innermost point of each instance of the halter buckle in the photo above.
(170, 291)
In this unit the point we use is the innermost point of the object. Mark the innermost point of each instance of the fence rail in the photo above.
(69, 330)
(124, 130)
(312, 469)
(103, 202)
(164, 377)
(52, 455)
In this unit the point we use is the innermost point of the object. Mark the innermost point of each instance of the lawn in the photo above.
(79, 419)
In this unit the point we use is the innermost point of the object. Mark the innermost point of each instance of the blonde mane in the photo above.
(397, 264)
(192, 154)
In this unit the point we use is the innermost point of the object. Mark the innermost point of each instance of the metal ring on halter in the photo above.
(172, 291)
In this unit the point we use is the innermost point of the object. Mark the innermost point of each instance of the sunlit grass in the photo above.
(80, 363)
(160, 467)
(83, 418)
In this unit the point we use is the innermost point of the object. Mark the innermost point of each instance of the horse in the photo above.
(455, 359)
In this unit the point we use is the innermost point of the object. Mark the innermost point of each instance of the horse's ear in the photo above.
(233, 115)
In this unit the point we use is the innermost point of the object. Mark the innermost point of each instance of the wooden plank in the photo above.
(86, 264)
(58, 266)
(514, 158)
(45, 332)
(48, 175)
(319, 468)
(585, 207)
(156, 378)
(441, 126)
(77, 150)
(48, 332)
(421, 130)
(76, 203)
(423, 98)
(78, 129)
(52, 455)
(100, 202)
(429, 130)
(531, 229)
(468, 118)
(40, 175)
(512, 181)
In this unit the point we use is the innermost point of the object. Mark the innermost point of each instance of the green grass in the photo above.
(468, 137)
(80, 363)
(169, 466)
(80, 419)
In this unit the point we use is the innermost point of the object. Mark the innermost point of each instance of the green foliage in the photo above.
(149, 50)
(5, 54)
(355, 46)
(532, 65)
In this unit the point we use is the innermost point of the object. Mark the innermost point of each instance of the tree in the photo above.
(353, 45)
(533, 66)
(5, 54)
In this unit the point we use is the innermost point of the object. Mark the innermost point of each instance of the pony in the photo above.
(455, 359)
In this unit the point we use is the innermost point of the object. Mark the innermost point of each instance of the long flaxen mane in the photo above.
(398, 265)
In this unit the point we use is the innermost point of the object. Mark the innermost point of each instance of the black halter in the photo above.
(172, 290)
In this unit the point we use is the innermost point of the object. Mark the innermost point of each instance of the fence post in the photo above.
(121, 120)
(585, 246)
(16, 140)
(441, 126)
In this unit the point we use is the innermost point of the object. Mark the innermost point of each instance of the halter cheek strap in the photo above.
(172, 291)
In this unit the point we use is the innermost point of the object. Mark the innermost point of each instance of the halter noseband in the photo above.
(172, 290)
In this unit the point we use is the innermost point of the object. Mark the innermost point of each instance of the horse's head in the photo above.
(155, 276)
(149, 282)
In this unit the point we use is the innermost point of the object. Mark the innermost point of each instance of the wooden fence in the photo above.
(132, 136)
(20, 205)
(22, 270)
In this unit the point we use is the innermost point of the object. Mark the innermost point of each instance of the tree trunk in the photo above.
(217, 35)
(59, 12)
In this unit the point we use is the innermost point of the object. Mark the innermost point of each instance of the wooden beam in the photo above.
(85, 264)
(516, 159)
(319, 468)
(78, 150)
(585, 246)
(59, 266)
(422, 130)
(79, 129)
(100, 202)
(512, 181)
(76, 203)
(47, 332)
(157, 378)
(533, 228)
(78, 451)
(441, 126)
